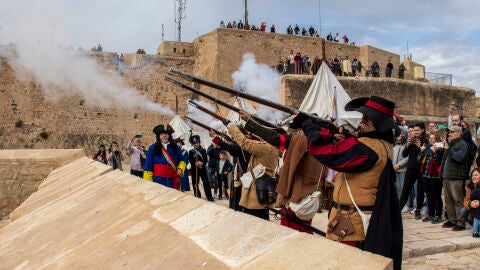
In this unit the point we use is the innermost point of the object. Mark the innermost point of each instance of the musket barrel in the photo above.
(197, 91)
(209, 112)
(216, 100)
(321, 121)
(209, 128)
(232, 91)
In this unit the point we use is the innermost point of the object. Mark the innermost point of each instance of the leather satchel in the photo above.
(341, 225)
(266, 190)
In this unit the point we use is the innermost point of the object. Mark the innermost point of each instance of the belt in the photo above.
(347, 208)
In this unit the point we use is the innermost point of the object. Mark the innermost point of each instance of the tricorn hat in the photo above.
(194, 139)
(159, 129)
(376, 108)
(179, 140)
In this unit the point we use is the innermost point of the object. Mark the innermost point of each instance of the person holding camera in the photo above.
(412, 149)
(136, 152)
(101, 155)
(115, 156)
(430, 179)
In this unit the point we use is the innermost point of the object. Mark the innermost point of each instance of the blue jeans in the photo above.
(476, 225)
(412, 195)
(400, 176)
(211, 178)
(464, 213)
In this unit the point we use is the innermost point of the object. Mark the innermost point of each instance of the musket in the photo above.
(287, 109)
(219, 133)
(225, 121)
(219, 101)
(297, 221)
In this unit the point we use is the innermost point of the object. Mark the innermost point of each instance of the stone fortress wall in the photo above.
(30, 121)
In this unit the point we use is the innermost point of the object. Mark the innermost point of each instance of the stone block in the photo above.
(203, 216)
(320, 257)
(172, 209)
(464, 242)
(242, 239)
(420, 248)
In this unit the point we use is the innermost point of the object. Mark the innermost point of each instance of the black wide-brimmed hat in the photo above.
(179, 140)
(159, 129)
(376, 108)
(194, 139)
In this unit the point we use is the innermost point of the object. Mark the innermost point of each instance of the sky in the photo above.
(443, 35)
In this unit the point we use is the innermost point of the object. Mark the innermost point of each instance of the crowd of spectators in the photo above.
(311, 32)
(440, 159)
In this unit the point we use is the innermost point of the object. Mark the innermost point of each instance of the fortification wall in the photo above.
(229, 46)
(174, 48)
(414, 100)
(22, 171)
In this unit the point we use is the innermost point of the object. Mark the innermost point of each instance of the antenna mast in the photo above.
(245, 13)
(163, 34)
(179, 6)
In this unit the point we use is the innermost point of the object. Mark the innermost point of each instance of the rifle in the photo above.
(296, 220)
(225, 121)
(219, 133)
(219, 101)
(325, 123)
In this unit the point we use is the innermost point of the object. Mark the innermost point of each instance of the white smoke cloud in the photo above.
(41, 35)
(262, 81)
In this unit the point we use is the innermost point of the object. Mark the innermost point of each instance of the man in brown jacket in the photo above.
(366, 181)
(261, 153)
(300, 173)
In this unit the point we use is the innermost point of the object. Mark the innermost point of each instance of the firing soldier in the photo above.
(366, 184)
(164, 163)
(300, 174)
(261, 153)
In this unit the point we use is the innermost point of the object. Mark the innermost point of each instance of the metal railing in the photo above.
(439, 78)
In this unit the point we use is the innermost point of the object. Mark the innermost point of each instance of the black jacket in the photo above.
(198, 154)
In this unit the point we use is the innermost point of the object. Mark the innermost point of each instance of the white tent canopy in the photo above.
(327, 98)
(182, 130)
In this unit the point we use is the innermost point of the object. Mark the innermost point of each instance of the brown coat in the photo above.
(300, 172)
(363, 186)
(466, 200)
(262, 153)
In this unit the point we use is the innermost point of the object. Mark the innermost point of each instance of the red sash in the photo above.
(163, 170)
(173, 166)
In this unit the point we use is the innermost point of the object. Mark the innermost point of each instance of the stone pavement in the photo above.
(427, 245)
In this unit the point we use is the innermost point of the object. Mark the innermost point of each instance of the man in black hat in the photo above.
(366, 182)
(198, 162)
(164, 163)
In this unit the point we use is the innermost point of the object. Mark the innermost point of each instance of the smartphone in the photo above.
(138, 136)
(439, 144)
